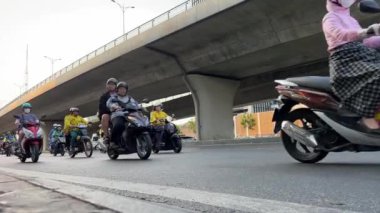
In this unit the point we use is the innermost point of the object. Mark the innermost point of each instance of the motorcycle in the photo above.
(83, 143)
(33, 142)
(98, 144)
(170, 139)
(135, 138)
(8, 148)
(312, 121)
(59, 147)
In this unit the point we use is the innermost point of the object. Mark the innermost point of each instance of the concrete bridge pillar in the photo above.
(213, 99)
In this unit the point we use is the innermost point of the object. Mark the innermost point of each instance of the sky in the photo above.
(65, 29)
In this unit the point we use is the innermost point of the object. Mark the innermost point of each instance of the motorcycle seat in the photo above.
(321, 83)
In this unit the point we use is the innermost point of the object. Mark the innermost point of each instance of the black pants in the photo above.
(118, 126)
(159, 131)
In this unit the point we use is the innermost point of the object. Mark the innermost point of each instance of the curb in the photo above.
(236, 141)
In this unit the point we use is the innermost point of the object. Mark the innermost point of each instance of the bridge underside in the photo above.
(240, 43)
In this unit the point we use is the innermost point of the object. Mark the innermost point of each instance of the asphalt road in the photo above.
(346, 181)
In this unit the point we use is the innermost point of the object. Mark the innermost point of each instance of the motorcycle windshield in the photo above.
(139, 119)
(133, 106)
(83, 131)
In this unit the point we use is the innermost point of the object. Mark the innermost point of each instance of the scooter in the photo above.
(83, 142)
(8, 148)
(60, 146)
(33, 142)
(312, 121)
(170, 139)
(98, 144)
(135, 138)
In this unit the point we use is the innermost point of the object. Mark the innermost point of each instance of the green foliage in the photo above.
(248, 121)
(192, 125)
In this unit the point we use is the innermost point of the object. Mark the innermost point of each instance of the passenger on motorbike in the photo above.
(103, 111)
(116, 106)
(354, 62)
(157, 119)
(25, 117)
(70, 127)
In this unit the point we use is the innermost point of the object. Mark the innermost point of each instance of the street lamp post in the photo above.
(123, 9)
(20, 88)
(52, 61)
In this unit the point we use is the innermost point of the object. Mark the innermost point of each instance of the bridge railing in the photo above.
(135, 32)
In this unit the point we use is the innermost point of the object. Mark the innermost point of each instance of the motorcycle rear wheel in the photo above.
(304, 118)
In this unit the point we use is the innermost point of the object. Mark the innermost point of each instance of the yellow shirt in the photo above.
(72, 120)
(158, 118)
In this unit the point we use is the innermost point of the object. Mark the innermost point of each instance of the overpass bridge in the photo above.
(227, 53)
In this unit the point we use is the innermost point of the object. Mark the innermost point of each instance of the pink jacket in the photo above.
(340, 28)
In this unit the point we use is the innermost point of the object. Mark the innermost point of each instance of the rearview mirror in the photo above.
(145, 101)
(369, 6)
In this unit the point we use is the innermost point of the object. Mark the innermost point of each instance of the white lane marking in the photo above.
(108, 200)
(229, 201)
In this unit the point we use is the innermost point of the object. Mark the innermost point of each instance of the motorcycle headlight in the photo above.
(146, 121)
(171, 128)
(28, 133)
(39, 133)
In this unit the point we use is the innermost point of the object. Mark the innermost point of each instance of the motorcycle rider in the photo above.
(157, 119)
(354, 62)
(10, 136)
(25, 117)
(70, 127)
(103, 111)
(115, 104)
(54, 134)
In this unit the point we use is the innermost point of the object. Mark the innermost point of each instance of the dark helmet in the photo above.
(26, 105)
(122, 84)
(112, 81)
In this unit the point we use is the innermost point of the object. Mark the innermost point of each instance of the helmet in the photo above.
(57, 125)
(74, 109)
(158, 104)
(122, 84)
(26, 105)
(112, 81)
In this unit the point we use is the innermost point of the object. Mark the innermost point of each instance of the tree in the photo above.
(192, 125)
(248, 122)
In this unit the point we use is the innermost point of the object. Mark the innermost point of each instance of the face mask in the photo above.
(27, 110)
(347, 3)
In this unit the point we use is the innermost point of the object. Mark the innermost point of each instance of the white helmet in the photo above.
(158, 104)
(74, 109)
(57, 125)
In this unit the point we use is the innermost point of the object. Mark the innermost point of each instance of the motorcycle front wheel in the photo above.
(177, 143)
(112, 154)
(87, 145)
(144, 146)
(34, 152)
